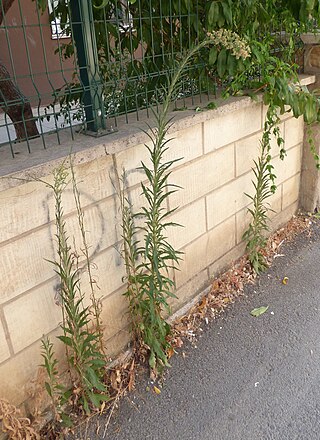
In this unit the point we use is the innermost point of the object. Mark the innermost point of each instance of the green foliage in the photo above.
(167, 29)
(58, 393)
(82, 342)
(254, 236)
(150, 265)
(264, 187)
(130, 254)
(53, 387)
(158, 256)
(279, 83)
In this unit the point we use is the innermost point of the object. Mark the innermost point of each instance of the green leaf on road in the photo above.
(259, 311)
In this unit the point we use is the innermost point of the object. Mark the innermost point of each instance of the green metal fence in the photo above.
(77, 65)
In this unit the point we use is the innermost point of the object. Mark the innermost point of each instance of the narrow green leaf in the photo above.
(213, 55)
(221, 63)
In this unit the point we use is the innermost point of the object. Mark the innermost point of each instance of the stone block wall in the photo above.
(217, 149)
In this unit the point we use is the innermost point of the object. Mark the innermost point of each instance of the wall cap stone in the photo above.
(41, 162)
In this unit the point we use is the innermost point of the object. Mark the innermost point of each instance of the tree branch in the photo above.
(16, 106)
(5, 5)
(12, 101)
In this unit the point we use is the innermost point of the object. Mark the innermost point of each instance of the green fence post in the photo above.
(87, 55)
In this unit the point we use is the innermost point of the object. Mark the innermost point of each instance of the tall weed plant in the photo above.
(151, 263)
(80, 335)
(282, 93)
(264, 186)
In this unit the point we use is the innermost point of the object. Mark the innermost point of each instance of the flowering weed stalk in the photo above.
(85, 359)
(150, 264)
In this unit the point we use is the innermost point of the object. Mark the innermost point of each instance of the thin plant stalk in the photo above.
(84, 356)
(264, 187)
(129, 254)
(85, 250)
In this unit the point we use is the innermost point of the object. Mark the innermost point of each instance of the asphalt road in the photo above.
(249, 378)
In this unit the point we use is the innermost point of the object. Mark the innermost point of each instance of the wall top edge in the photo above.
(41, 162)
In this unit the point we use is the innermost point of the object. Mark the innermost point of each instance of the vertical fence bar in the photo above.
(87, 55)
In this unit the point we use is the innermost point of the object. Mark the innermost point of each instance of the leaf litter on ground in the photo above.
(227, 287)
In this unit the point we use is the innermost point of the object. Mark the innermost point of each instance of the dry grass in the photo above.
(17, 427)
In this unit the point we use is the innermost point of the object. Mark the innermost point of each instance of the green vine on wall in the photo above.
(282, 93)
(264, 187)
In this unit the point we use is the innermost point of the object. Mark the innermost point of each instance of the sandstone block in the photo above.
(36, 313)
(202, 176)
(4, 349)
(193, 221)
(293, 132)
(205, 250)
(231, 127)
(248, 149)
(185, 145)
(228, 199)
(291, 189)
(290, 166)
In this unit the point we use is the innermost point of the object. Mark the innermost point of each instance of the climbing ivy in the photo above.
(277, 82)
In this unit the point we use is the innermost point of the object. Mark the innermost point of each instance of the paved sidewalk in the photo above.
(249, 378)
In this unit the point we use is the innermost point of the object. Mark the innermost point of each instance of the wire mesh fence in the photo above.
(77, 66)
(80, 65)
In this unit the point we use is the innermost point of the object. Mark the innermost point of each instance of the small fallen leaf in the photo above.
(156, 390)
(259, 311)
(179, 342)
(103, 405)
(170, 352)
(131, 380)
(203, 303)
(285, 280)
(118, 375)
